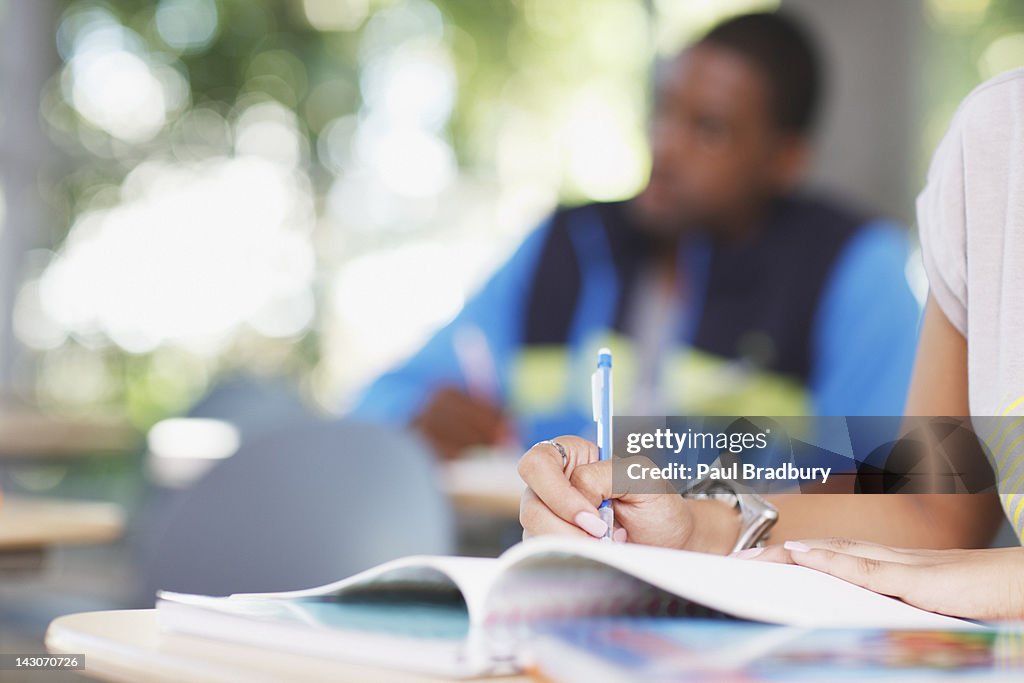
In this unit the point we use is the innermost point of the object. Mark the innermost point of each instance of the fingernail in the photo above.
(747, 554)
(591, 523)
(796, 546)
(619, 535)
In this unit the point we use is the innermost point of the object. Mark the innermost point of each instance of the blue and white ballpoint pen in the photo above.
(601, 390)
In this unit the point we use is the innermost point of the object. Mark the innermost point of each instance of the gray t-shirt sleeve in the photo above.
(971, 222)
(942, 226)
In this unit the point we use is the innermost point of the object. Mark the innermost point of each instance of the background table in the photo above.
(30, 435)
(29, 526)
(127, 646)
(484, 485)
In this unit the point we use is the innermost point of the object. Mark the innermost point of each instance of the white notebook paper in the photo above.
(460, 616)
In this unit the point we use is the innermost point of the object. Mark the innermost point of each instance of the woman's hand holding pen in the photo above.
(564, 493)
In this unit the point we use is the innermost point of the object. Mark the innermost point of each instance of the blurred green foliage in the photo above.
(526, 61)
(967, 42)
(310, 56)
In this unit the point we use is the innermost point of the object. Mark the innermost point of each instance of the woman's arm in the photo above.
(976, 584)
(938, 387)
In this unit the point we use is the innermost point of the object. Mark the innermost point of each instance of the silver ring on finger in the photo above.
(561, 449)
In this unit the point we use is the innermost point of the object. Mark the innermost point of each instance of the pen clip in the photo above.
(596, 389)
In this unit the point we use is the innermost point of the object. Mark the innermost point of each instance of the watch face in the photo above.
(726, 496)
(755, 507)
(716, 489)
(757, 515)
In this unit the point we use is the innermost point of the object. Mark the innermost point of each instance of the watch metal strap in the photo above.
(757, 516)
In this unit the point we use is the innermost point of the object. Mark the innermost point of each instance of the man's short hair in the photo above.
(784, 51)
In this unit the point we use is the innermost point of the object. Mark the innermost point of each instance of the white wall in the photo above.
(869, 130)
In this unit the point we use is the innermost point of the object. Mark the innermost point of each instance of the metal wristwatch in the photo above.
(757, 515)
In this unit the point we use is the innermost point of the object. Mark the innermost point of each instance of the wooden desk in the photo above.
(29, 526)
(27, 435)
(27, 523)
(128, 647)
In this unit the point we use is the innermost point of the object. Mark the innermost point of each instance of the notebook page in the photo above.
(471, 575)
(407, 638)
(760, 591)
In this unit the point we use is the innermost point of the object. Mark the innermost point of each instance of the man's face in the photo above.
(716, 150)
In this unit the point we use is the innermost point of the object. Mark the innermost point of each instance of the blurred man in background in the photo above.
(720, 288)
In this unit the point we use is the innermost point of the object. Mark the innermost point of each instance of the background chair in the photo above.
(310, 503)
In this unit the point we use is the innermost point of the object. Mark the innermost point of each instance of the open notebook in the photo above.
(460, 616)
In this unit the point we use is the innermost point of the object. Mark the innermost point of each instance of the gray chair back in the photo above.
(310, 503)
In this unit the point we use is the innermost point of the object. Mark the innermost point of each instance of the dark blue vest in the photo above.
(754, 301)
